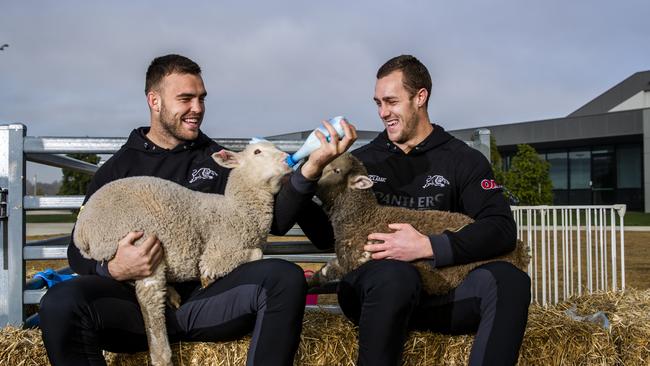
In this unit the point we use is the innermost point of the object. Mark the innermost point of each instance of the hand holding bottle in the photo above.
(328, 150)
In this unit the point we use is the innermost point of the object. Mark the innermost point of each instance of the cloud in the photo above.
(77, 68)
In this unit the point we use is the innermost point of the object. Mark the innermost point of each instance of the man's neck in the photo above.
(162, 138)
(422, 131)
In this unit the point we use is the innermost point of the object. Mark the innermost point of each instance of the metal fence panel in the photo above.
(574, 249)
(12, 273)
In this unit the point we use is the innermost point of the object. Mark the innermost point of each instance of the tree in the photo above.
(75, 183)
(528, 178)
(496, 161)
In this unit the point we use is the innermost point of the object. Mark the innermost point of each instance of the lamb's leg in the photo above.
(331, 271)
(215, 264)
(151, 296)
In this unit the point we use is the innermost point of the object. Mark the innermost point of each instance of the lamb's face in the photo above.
(265, 164)
(338, 177)
(261, 164)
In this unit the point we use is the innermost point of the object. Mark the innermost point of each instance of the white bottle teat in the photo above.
(312, 142)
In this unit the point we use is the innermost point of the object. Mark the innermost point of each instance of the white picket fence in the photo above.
(574, 249)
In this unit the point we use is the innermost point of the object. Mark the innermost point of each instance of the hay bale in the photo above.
(551, 338)
(22, 347)
(629, 315)
(191, 354)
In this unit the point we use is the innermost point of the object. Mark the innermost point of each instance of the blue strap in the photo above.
(52, 277)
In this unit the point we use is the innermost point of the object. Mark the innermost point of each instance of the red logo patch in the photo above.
(488, 184)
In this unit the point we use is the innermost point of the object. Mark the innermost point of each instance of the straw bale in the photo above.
(629, 315)
(22, 347)
(551, 338)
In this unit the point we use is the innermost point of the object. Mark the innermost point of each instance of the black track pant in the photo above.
(384, 298)
(83, 316)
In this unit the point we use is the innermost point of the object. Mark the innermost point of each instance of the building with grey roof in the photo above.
(599, 154)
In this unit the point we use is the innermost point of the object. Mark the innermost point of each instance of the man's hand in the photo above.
(135, 262)
(328, 151)
(404, 244)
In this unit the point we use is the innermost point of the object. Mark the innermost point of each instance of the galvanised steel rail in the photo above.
(16, 149)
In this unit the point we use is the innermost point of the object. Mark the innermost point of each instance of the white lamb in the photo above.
(344, 189)
(203, 235)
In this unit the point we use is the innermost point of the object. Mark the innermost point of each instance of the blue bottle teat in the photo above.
(312, 142)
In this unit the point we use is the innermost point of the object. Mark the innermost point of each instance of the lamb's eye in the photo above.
(337, 170)
(257, 151)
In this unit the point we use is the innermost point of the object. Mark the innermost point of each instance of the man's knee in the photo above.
(283, 274)
(506, 279)
(390, 278)
(62, 299)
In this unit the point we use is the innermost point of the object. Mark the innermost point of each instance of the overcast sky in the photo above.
(76, 68)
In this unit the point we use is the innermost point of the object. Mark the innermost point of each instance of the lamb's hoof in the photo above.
(313, 279)
(255, 254)
(173, 298)
(365, 256)
(205, 281)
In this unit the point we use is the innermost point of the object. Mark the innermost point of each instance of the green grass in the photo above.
(637, 219)
(630, 218)
(38, 219)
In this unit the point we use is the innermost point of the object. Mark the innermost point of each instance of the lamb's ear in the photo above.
(226, 158)
(360, 182)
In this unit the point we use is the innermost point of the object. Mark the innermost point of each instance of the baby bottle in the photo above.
(312, 142)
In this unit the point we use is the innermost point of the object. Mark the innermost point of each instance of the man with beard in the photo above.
(416, 164)
(98, 310)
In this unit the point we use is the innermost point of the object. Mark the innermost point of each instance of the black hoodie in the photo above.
(191, 165)
(441, 173)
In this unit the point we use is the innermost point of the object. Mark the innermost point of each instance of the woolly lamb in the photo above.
(344, 189)
(203, 235)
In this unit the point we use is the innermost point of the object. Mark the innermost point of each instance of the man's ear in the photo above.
(226, 158)
(421, 97)
(153, 100)
(360, 182)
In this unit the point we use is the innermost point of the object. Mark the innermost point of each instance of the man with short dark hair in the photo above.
(98, 311)
(416, 164)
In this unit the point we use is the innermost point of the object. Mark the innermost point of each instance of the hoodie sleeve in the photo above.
(494, 231)
(316, 225)
(77, 262)
(295, 192)
(294, 205)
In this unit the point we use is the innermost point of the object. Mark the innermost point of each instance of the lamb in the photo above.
(344, 190)
(203, 235)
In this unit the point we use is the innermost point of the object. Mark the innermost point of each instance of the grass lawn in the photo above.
(637, 219)
(39, 219)
(630, 219)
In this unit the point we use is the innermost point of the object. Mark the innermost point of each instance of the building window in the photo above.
(628, 166)
(603, 173)
(580, 164)
(559, 169)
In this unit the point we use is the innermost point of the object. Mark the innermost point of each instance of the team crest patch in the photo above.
(436, 181)
(488, 184)
(203, 173)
